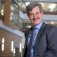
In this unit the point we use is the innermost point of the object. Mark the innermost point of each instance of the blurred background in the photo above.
(14, 22)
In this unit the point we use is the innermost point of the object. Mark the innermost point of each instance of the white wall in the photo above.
(16, 32)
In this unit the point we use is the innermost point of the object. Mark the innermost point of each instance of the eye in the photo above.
(31, 14)
(37, 12)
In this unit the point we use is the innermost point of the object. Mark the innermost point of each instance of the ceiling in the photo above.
(40, 0)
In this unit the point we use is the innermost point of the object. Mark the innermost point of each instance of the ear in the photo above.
(42, 13)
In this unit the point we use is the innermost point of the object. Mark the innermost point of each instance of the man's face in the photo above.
(35, 15)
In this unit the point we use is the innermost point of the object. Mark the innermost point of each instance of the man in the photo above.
(41, 38)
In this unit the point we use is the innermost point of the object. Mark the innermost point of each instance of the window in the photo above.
(3, 44)
(1, 7)
(14, 16)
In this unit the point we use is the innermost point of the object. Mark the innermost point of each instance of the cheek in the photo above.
(41, 15)
(30, 17)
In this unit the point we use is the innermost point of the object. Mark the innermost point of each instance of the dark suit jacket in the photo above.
(46, 42)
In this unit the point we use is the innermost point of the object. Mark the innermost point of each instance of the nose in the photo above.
(34, 16)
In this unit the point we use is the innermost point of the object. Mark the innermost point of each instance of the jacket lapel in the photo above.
(25, 46)
(40, 33)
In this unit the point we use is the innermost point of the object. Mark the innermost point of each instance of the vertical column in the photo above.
(0, 7)
(7, 11)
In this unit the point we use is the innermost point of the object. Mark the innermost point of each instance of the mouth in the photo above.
(35, 19)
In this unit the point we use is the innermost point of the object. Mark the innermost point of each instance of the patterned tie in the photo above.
(30, 48)
(32, 42)
(34, 35)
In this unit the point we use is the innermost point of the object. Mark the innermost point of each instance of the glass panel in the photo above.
(17, 1)
(14, 16)
(47, 7)
(1, 7)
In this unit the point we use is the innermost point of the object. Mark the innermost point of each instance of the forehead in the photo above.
(35, 9)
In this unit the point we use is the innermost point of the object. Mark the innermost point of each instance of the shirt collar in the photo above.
(39, 25)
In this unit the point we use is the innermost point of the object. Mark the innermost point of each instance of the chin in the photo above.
(35, 24)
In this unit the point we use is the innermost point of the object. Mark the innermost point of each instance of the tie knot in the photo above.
(32, 28)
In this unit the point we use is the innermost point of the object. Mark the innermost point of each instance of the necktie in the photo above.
(32, 43)
(29, 53)
(34, 35)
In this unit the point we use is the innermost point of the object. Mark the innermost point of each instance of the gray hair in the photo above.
(32, 5)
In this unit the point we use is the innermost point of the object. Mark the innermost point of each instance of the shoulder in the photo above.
(51, 28)
(27, 32)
